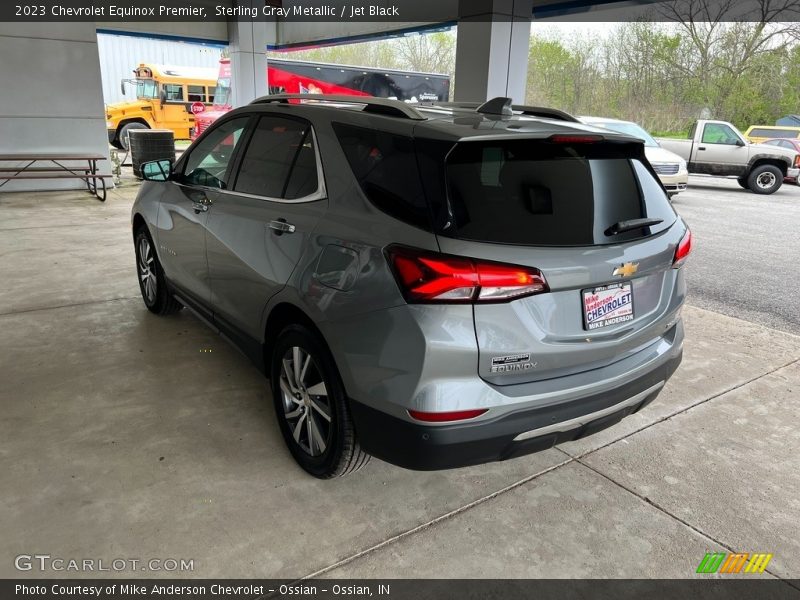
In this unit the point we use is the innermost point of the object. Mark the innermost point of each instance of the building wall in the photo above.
(120, 54)
(51, 98)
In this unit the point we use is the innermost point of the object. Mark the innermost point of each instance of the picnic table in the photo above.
(51, 166)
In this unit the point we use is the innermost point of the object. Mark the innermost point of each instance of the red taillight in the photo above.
(683, 250)
(797, 160)
(575, 139)
(431, 277)
(440, 417)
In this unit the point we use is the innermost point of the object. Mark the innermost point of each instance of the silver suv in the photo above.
(434, 285)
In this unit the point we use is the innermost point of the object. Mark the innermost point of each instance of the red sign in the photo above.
(197, 108)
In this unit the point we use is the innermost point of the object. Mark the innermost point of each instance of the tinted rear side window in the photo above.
(385, 166)
(280, 160)
(542, 194)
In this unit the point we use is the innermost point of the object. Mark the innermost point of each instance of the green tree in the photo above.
(561, 76)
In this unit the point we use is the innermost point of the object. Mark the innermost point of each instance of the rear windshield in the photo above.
(547, 194)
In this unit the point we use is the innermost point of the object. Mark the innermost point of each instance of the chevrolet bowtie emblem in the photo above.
(626, 269)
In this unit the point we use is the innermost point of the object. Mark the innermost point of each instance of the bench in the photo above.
(51, 166)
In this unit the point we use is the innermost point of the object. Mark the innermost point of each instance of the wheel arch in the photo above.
(124, 122)
(281, 315)
(140, 221)
(137, 222)
(768, 160)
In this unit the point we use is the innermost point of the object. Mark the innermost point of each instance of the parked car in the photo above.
(718, 148)
(789, 144)
(436, 286)
(758, 134)
(671, 168)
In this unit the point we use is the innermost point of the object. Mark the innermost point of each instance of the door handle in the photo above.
(200, 201)
(280, 226)
(702, 148)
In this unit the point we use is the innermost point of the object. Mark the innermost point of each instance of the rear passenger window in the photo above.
(384, 164)
(280, 160)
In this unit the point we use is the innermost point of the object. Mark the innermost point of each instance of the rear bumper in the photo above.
(792, 175)
(426, 448)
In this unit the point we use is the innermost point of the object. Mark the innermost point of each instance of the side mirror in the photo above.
(122, 87)
(739, 142)
(157, 170)
(163, 96)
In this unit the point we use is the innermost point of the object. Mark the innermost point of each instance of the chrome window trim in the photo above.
(319, 194)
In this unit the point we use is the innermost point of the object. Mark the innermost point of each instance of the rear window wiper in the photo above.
(624, 226)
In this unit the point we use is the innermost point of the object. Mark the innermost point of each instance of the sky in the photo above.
(545, 28)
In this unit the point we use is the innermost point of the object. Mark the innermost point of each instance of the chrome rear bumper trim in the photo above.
(584, 419)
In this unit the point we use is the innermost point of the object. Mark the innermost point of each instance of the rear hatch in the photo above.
(589, 214)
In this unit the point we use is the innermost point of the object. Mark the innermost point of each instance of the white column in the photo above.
(248, 45)
(492, 50)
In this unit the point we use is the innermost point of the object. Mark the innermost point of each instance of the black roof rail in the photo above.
(381, 106)
(449, 104)
(531, 111)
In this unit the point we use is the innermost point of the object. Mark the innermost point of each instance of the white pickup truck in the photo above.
(718, 148)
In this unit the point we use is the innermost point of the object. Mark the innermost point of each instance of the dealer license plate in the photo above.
(607, 305)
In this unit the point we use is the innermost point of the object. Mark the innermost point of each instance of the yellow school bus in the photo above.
(164, 100)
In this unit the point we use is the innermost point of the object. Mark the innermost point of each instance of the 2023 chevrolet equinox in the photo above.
(435, 285)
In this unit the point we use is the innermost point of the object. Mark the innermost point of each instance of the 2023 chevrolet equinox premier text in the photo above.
(434, 285)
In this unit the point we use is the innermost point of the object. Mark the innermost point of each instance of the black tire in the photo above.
(122, 138)
(116, 144)
(765, 179)
(157, 297)
(326, 446)
(742, 181)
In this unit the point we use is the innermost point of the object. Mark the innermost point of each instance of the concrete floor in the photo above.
(125, 435)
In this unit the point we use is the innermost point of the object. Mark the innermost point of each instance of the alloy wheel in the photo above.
(306, 406)
(147, 273)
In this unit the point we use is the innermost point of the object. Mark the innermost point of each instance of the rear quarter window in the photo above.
(385, 166)
(541, 194)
